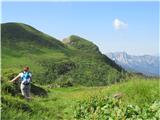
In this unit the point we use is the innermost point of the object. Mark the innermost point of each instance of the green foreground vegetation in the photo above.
(137, 99)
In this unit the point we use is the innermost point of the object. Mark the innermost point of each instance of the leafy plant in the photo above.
(108, 108)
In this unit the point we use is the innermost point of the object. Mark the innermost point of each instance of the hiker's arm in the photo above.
(16, 78)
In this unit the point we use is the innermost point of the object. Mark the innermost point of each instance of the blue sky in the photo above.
(113, 26)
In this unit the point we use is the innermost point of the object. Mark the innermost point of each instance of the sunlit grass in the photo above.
(60, 102)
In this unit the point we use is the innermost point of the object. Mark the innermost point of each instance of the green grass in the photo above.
(61, 102)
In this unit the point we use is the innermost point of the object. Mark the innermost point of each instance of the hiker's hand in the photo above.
(11, 81)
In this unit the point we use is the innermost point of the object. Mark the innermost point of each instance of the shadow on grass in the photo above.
(14, 89)
(36, 90)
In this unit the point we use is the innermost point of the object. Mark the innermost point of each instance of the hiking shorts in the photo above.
(25, 90)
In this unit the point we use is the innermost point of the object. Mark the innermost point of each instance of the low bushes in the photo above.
(101, 108)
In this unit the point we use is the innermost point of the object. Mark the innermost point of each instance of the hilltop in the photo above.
(16, 33)
(81, 44)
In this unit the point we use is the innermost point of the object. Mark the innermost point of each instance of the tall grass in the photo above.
(60, 102)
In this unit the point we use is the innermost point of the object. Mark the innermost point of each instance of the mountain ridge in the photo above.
(81, 44)
(28, 34)
(146, 64)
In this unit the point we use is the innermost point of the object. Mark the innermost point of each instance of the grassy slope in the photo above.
(60, 102)
(23, 45)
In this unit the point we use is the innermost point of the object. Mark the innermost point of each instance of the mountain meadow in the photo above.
(72, 80)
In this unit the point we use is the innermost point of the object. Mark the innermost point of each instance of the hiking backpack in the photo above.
(26, 78)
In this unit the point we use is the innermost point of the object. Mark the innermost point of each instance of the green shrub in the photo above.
(53, 71)
(8, 87)
(100, 108)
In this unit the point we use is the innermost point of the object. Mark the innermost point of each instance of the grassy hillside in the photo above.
(21, 35)
(72, 62)
(140, 99)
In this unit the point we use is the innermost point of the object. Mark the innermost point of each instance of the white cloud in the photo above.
(118, 24)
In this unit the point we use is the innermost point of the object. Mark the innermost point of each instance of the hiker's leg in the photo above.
(22, 87)
(28, 87)
(24, 90)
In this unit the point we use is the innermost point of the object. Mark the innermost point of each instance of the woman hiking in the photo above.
(25, 86)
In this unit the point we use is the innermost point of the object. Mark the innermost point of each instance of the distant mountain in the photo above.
(146, 64)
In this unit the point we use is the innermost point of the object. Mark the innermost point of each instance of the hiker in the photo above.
(25, 82)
